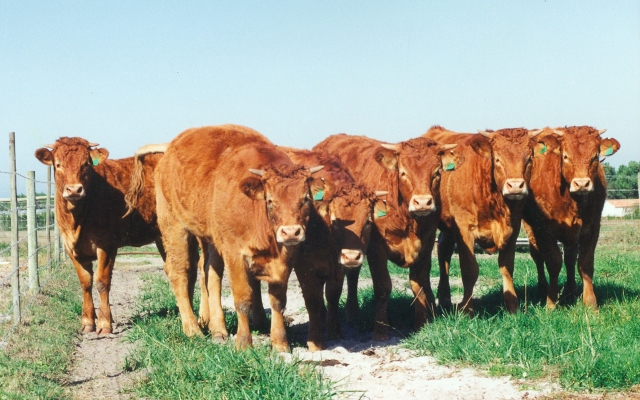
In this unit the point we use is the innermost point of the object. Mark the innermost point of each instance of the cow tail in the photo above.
(136, 185)
(137, 175)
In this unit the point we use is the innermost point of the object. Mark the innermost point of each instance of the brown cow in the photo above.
(410, 171)
(568, 190)
(482, 203)
(207, 189)
(90, 207)
(337, 237)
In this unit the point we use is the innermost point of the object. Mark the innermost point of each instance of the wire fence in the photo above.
(30, 251)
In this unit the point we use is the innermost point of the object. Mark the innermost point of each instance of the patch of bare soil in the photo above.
(98, 364)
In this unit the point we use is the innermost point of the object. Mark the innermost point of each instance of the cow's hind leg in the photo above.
(311, 286)
(85, 275)
(217, 326)
(468, 269)
(104, 272)
(586, 256)
(204, 313)
(258, 315)
(419, 272)
(538, 259)
(570, 291)
(446, 245)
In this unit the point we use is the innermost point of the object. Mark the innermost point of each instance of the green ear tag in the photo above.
(381, 213)
(609, 151)
(319, 195)
(95, 161)
(449, 166)
(544, 149)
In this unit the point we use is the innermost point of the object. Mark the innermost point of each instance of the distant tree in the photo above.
(623, 183)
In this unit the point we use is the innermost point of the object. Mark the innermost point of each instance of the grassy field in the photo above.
(34, 363)
(575, 346)
(197, 368)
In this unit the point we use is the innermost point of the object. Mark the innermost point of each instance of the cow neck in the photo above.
(70, 218)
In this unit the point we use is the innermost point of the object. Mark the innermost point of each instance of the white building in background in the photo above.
(619, 207)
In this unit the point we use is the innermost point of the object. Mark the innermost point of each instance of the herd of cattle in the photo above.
(259, 211)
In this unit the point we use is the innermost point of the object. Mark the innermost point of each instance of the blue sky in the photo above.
(129, 73)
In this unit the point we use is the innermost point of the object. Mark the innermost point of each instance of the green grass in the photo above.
(38, 354)
(573, 345)
(179, 367)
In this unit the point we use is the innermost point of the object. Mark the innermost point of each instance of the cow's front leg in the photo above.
(85, 275)
(278, 298)
(104, 272)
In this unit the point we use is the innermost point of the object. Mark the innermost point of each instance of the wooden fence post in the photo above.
(56, 231)
(32, 232)
(48, 217)
(15, 257)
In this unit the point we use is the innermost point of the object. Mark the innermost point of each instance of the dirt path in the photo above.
(99, 360)
(373, 370)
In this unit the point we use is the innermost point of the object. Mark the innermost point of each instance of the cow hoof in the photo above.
(313, 347)
(88, 328)
(282, 347)
(218, 338)
(104, 331)
(192, 331)
(203, 322)
(243, 342)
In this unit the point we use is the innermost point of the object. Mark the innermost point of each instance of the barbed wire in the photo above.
(18, 174)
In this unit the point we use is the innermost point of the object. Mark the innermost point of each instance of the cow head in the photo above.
(581, 148)
(418, 163)
(73, 160)
(510, 152)
(348, 211)
(285, 190)
(398, 230)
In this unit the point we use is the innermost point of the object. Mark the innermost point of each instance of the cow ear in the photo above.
(318, 189)
(545, 146)
(45, 156)
(481, 145)
(451, 160)
(99, 155)
(380, 209)
(387, 158)
(608, 147)
(252, 187)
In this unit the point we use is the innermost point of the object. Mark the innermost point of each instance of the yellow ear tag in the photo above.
(319, 195)
(95, 161)
(609, 151)
(449, 166)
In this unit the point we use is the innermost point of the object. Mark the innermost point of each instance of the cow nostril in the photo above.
(297, 233)
(429, 202)
(416, 202)
(358, 257)
(587, 184)
(79, 190)
(521, 185)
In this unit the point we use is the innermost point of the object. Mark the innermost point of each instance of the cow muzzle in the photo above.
(515, 189)
(73, 192)
(581, 185)
(422, 205)
(290, 235)
(351, 258)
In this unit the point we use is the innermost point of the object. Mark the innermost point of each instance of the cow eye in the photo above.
(566, 157)
(497, 160)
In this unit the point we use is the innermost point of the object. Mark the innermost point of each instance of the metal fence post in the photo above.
(32, 232)
(56, 230)
(48, 217)
(15, 257)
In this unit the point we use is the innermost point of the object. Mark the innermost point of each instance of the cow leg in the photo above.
(570, 288)
(549, 250)
(446, 245)
(538, 259)
(178, 268)
(419, 272)
(217, 325)
(586, 256)
(278, 298)
(104, 271)
(468, 269)
(333, 291)
(258, 315)
(352, 307)
(204, 314)
(311, 286)
(85, 275)
(242, 298)
(506, 258)
(376, 254)
(161, 250)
